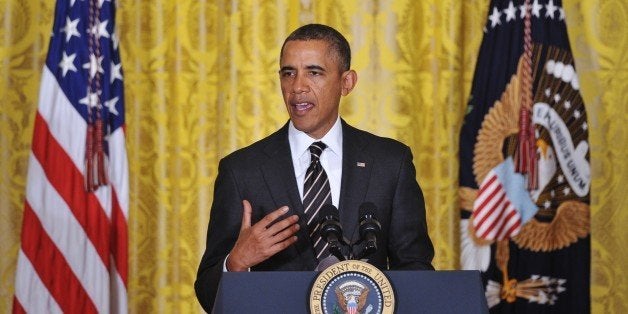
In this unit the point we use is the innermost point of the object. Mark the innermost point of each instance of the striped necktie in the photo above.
(316, 193)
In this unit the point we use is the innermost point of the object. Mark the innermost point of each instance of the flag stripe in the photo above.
(30, 293)
(17, 307)
(119, 212)
(510, 224)
(65, 178)
(118, 293)
(119, 245)
(497, 219)
(514, 230)
(119, 169)
(487, 199)
(488, 211)
(50, 263)
(67, 234)
(505, 214)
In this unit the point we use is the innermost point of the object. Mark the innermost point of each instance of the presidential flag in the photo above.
(525, 165)
(73, 254)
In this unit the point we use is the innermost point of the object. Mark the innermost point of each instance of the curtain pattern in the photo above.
(201, 81)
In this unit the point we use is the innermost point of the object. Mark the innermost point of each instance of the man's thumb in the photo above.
(246, 214)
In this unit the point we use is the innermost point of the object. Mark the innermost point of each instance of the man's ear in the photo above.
(349, 79)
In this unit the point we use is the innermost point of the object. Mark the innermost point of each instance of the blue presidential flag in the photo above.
(525, 165)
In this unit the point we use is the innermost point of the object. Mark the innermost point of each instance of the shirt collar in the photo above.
(300, 141)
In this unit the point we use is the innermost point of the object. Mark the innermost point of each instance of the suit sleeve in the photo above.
(222, 233)
(409, 243)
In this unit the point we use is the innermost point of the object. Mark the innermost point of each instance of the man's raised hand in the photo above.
(262, 240)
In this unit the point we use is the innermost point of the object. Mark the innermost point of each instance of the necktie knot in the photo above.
(316, 149)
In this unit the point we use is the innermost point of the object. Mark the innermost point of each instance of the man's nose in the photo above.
(300, 85)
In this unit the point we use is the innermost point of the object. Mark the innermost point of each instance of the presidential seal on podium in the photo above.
(351, 287)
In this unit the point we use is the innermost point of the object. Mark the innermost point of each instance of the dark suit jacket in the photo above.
(263, 174)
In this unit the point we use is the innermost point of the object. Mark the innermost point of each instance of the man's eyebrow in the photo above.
(286, 68)
(309, 67)
(315, 67)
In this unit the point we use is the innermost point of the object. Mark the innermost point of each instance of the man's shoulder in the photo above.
(248, 155)
(372, 142)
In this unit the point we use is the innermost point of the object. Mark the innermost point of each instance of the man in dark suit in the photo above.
(264, 217)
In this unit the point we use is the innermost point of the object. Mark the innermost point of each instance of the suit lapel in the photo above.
(278, 173)
(356, 171)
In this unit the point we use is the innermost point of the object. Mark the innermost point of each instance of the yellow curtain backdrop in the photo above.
(201, 81)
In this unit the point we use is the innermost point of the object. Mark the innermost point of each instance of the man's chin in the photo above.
(301, 127)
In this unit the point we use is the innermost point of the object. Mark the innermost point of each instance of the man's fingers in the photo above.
(286, 233)
(268, 219)
(246, 215)
(284, 244)
(282, 224)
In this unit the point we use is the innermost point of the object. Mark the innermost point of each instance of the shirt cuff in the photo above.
(224, 265)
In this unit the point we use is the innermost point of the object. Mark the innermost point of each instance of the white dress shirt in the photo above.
(331, 157)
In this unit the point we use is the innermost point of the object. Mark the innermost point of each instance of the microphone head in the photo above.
(367, 210)
(368, 220)
(329, 211)
(330, 222)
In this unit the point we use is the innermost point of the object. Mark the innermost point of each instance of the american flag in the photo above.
(73, 255)
(501, 206)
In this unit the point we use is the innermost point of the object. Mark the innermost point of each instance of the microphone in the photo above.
(331, 230)
(369, 229)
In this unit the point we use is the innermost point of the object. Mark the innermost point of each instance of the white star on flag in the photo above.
(70, 29)
(116, 71)
(536, 8)
(115, 40)
(94, 65)
(551, 8)
(67, 63)
(561, 15)
(100, 30)
(111, 105)
(522, 8)
(91, 99)
(510, 12)
(495, 17)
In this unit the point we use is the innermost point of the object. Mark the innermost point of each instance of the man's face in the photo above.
(311, 84)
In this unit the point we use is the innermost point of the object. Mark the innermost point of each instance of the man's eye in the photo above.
(287, 74)
(315, 73)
